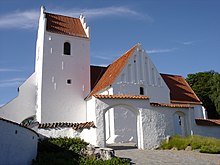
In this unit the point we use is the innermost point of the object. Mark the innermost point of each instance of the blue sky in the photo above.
(181, 37)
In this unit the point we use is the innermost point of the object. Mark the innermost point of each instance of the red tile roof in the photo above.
(75, 126)
(121, 97)
(113, 71)
(64, 25)
(207, 122)
(171, 105)
(180, 91)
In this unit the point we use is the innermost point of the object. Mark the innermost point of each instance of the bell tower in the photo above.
(62, 67)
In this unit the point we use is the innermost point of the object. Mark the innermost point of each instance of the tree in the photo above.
(206, 85)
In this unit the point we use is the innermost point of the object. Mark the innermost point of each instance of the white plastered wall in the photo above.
(85, 134)
(23, 106)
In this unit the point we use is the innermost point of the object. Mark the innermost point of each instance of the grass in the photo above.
(203, 144)
(59, 151)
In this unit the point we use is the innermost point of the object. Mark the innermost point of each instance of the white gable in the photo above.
(139, 72)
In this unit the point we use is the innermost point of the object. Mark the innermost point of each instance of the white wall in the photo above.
(209, 131)
(86, 134)
(23, 106)
(55, 96)
(18, 144)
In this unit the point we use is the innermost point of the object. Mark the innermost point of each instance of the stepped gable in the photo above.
(64, 25)
(180, 91)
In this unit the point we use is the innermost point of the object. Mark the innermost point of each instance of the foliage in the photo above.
(204, 144)
(59, 151)
(207, 87)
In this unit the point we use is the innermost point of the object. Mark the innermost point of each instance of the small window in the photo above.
(66, 49)
(69, 81)
(141, 90)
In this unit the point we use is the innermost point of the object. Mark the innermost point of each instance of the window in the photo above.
(68, 81)
(66, 49)
(141, 90)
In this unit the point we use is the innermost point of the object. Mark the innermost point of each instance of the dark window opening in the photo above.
(69, 81)
(66, 49)
(141, 90)
(180, 123)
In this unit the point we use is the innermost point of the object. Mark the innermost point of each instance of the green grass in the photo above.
(66, 151)
(203, 144)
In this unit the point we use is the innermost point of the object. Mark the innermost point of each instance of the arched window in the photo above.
(67, 48)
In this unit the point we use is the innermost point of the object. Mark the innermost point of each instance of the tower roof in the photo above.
(65, 25)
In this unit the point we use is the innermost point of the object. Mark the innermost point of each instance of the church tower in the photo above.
(62, 68)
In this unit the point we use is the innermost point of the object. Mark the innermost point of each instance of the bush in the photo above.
(204, 144)
(59, 151)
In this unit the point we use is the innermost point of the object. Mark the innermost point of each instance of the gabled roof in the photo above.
(180, 91)
(113, 71)
(102, 77)
(65, 25)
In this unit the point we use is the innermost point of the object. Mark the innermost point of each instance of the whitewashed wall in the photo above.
(55, 96)
(18, 144)
(86, 134)
(23, 106)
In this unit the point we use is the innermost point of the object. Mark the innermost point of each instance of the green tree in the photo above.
(206, 85)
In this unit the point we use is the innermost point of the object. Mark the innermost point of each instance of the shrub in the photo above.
(59, 151)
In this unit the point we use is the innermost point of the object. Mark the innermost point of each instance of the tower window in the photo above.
(69, 81)
(66, 49)
(141, 90)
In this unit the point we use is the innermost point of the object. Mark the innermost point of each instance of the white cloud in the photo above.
(18, 19)
(29, 19)
(15, 82)
(103, 57)
(161, 50)
(9, 70)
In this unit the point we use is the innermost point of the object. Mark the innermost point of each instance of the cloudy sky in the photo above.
(181, 37)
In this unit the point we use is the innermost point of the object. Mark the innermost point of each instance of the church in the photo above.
(127, 101)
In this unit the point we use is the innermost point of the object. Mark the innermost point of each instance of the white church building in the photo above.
(129, 100)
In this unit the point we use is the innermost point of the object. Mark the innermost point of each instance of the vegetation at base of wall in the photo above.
(59, 151)
(203, 144)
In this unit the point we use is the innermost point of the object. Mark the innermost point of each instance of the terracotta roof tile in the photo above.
(113, 71)
(65, 25)
(120, 97)
(171, 105)
(75, 126)
(207, 122)
(180, 91)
